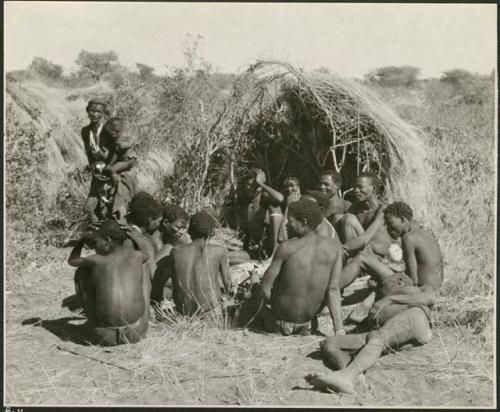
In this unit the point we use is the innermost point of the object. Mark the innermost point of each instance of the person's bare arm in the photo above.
(282, 234)
(142, 243)
(427, 296)
(260, 179)
(333, 299)
(408, 244)
(273, 271)
(224, 270)
(275, 219)
(75, 258)
(362, 240)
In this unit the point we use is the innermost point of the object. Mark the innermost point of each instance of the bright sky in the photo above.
(349, 39)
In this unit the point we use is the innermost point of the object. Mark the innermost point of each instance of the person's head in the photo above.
(304, 215)
(96, 110)
(319, 197)
(398, 217)
(107, 237)
(248, 186)
(391, 284)
(175, 221)
(115, 126)
(145, 211)
(330, 181)
(291, 186)
(201, 225)
(366, 186)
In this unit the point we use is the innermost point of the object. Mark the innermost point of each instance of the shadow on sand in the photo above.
(69, 328)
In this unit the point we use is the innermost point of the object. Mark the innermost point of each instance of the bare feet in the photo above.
(360, 312)
(336, 382)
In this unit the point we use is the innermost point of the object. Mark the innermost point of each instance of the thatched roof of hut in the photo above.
(286, 121)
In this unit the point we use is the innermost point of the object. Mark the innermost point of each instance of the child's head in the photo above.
(330, 181)
(114, 127)
(201, 225)
(145, 211)
(303, 215)
(391, 284)
(398, 217)
(96, 110)
(107, 237)
(175, 221)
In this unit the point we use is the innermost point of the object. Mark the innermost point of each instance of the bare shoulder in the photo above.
(419, 235)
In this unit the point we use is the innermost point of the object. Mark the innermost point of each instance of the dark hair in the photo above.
(97, 102)
(143, 207)
(336, 176)
(306, 210)
(399, 209)
(172, 212)
(201, 225)
(110, 229)
(373, 177)
(320, 197)
(291, 177)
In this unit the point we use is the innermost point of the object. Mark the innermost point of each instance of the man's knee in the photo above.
(376, 337)
(333, 355)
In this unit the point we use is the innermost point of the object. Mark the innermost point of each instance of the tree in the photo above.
(394, 76)
(97, 64)
(45, 68)
(145, 71)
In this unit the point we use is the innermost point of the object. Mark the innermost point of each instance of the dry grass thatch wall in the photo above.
(286, 121)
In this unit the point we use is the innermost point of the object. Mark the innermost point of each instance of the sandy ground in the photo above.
(194, 362)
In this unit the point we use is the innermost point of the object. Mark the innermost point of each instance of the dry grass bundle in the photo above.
(288, 122)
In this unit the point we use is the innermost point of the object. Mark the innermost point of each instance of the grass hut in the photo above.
(285, 121)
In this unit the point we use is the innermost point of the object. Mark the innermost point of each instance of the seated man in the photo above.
(174, 225)
(303, 275)
(112, 286)
(144, 213)
(330, 182)
(403, 314)
(256, 215)
(199, 270)
(364, 214)
(173, 229)
(325, 228)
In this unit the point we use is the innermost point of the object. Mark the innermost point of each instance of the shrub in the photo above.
(394, 76)
(467, 87)
(45, 68)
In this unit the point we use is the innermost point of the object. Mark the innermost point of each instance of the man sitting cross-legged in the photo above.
(403, 314)
(144, 214)
(362, 229)
(199, 270)
(303, 275)
(112, 286)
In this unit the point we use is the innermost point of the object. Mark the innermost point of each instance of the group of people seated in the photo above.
(317, 242)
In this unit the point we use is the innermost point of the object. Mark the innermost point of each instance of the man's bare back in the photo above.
(424, 256)
(118, 280)
(199, 275)
(299, 291)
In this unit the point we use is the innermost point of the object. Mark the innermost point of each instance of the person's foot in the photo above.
(334, 382)
(361, 310)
